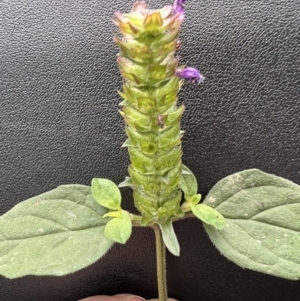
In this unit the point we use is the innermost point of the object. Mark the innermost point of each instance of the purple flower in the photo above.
(190, 74)
(178, 6)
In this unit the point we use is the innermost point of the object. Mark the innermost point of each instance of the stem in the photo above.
(161, 265)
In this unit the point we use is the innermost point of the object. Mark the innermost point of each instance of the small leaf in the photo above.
(119, 228)
(209, 215)
(170, 238)
(106, 193)
(262, 229)
(56, 233)
(193, 200)
(188, 183)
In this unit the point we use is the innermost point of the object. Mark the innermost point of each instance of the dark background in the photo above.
(59, 124)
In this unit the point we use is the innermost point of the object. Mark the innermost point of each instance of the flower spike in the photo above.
(151, 83)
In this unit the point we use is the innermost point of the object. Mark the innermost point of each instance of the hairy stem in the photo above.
(161, 265)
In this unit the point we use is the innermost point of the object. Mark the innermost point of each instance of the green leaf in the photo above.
(193, 200)
(119, 228)
(106, 193)
(209, 215)
(170, 238)
(56, 233)
(188, 183)
(262, 229)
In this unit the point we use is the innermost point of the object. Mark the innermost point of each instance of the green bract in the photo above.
(170, 238)
(147, 64)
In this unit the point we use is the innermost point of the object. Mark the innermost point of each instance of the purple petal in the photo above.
(178, 6)
(190, 74)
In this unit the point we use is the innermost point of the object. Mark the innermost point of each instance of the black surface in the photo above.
(59, 124)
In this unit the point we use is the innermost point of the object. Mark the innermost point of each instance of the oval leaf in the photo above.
(262, 229)
(119, 228)
(106, 193)
(55, 233)
(188, 182)
(193, 200)
(170, 238)
(209, 215)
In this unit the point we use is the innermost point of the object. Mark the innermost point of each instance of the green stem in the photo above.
(161, 265)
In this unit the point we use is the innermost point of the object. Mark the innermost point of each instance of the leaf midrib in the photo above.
(250, 220)
(67, 230)
(247, 188)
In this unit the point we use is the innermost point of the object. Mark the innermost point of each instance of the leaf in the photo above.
(170, 238)
(209, 215)
(56, 233)
(106, 193)
(262, 229)
(188, 183)
(193, 200)
(119, 228)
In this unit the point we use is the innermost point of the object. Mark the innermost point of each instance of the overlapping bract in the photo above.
(148, 66)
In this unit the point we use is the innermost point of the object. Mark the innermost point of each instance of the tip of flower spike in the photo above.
(190, 74)
(140, 7)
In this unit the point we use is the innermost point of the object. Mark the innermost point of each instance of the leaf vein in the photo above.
(250, 220)
(247, 188)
